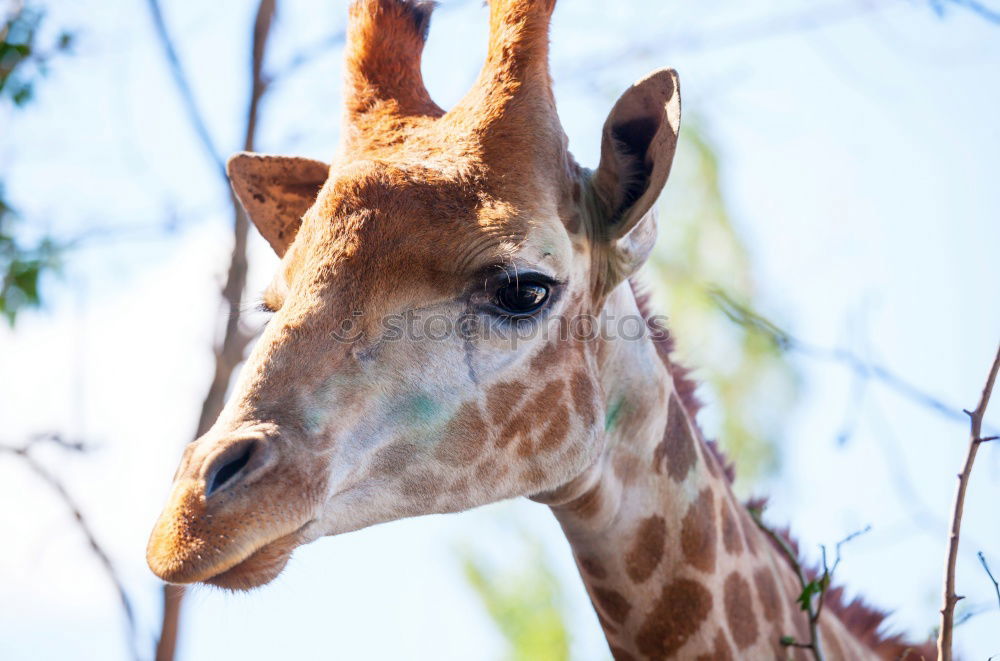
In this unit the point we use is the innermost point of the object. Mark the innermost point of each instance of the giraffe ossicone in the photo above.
(463, 250)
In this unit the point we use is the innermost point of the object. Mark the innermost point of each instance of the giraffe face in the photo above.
(419, 359)
(432, 346)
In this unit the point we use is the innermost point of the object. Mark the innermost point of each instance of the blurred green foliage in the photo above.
(21, 266)
(525, 603)
(701, 266)
(22, 63)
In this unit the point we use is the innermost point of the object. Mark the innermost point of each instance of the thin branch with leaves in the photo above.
(813, 590)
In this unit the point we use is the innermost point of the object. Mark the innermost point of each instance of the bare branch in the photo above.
(23, 452)
(744, 316)
(181, 81)
(976, 7)
(229, 352)
(986, 567)
(307, 55)
(949, 598)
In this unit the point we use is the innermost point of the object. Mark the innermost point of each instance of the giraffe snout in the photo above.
(228, 519)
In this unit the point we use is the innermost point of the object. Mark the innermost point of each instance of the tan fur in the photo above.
(339, 422)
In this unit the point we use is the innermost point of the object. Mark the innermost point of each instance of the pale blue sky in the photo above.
(860, 159)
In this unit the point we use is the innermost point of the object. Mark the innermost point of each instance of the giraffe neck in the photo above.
(673, 562)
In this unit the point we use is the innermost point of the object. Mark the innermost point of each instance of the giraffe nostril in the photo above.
(227, 466)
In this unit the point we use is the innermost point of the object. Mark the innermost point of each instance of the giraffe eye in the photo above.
(521, 298)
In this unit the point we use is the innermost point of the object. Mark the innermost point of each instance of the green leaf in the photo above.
(21, 95)
(811, 589)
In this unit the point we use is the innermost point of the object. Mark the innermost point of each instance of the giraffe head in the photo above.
(420, 357)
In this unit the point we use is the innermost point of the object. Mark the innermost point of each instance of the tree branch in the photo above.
(976, 7)
(744, 316)
(949, 598)
(813, 591)
(23, 452)
(986, 568)
(181, 81)
(229, 351)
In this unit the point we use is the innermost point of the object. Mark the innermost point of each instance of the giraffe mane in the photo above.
(865, 621)
(685, 385)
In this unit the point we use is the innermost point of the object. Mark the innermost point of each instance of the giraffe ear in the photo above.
(637, 149)
(276, 191)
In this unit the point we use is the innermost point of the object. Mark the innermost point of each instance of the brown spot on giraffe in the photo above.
(627, 466)
(731, 535)
(461, 485)
(393, 459)
(698, 532)
(721, 650)
(679, 611)
(738, 601)
(517, 428)
(532, 476)
(416, 488)
(583, 397)
(646, 549)
(503, 398)
(770, 598)
(491, 472)
(551, 356)
(539, 409)
(593, 567)
(572, 222)
(555, 432)
(612, 604)
(677, 449)
(465, 433)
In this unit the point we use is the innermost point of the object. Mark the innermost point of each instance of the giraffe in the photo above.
(423, 355)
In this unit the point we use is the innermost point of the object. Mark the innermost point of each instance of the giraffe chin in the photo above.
(260, 568)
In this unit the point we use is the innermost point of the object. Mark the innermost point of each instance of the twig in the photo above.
(229, 352)
(978, 8)
(949, 598)
(744, 316)
(828, 571)
(814, 644)
(816, 587)
(181, 81)
(971, 612)
(24, 453)
(308, 54)
(986, 567)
